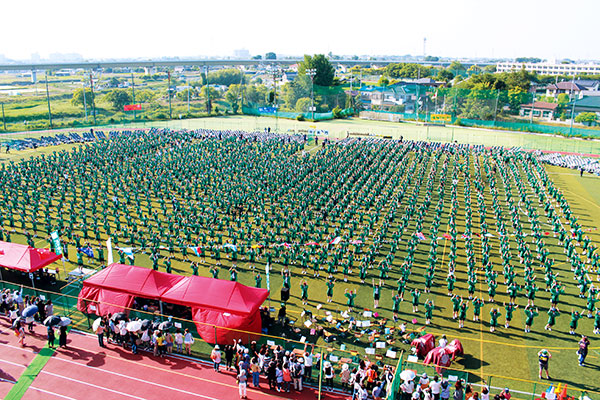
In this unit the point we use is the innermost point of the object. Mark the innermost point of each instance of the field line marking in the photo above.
(52, 393)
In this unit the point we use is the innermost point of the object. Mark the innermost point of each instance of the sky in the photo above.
(549, 29)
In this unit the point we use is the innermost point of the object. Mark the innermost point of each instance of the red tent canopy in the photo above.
(214, 302)
(216, 294)
(137, 281)
(25, 258)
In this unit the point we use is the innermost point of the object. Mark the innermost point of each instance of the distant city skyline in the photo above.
(184, 29)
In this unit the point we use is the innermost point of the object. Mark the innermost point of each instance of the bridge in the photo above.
(94, 65)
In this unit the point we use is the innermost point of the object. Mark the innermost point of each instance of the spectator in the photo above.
(468, 392)
(242, 384)
(272, 375)
(584, 343)
(62, 338)
(458, 391)
(287, 377)
(179, 341)
(435, 387)
(255, 370)
(544, 357)
(345, 376)
(407, 387)
(188, 340)
(169, 342)
(328, 374)
(215, 356)
(505, 394)
(485, 392)
(279, 376)
(424, 381)
(297, 370)
(308, 364)
(445, 393)
(228, 350)
(49, 309)
(51, 336)
(379, 391)
(100, 334)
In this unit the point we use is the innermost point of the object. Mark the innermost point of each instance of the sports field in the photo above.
(176, 192)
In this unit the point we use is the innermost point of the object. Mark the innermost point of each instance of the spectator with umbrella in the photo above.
(51, 336)
(28, 314)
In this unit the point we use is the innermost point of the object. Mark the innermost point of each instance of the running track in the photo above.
(85, 371)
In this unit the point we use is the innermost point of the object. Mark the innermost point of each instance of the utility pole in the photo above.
(276, 72)
(572, 115)
(496, 106)
(3, 118)
(188, 93)
(133, 94)
(93, 100)
(208, 107)
(48, 100)
(169, 92)
(311, 73)
(532, 107)
(84, 100)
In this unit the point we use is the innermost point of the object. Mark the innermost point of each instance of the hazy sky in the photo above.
(460, 28)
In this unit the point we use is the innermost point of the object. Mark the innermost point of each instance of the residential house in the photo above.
(541, 109)
(586, 104)
(568, 87)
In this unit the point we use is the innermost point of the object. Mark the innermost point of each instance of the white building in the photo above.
(547, 68)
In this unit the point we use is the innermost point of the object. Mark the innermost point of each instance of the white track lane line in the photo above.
(91, 384)
(132, 378)
(52, 393)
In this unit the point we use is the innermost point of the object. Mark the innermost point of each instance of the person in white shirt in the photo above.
(424, 381)
(407, 387)
(485, 391)
(443, 341)
(308, 364)
(435, 387)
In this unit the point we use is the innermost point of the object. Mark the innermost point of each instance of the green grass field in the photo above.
(506, 353)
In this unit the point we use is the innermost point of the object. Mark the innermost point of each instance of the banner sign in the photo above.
(441, 117)
(56, 243)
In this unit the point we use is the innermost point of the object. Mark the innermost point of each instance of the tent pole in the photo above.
(320, 373)
(160, 306)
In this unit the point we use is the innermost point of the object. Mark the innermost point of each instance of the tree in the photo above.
(474, 70)
(444, 75)
(234, 96)
(407, 70)
(270, 56)
(226, 77)
(145, 96)
(118, 98)
(257, 57)
(77, 99)
(324, 70)
(183, 95)
(383, 81)
(586, 118)
(516, 97)
(456, 67)
(214, 93)
(256, 94)
(303, 104)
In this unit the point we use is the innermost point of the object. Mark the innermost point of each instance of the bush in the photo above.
(300, 117)
(337, 113)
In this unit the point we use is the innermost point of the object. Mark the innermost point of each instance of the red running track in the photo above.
(86, 371)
